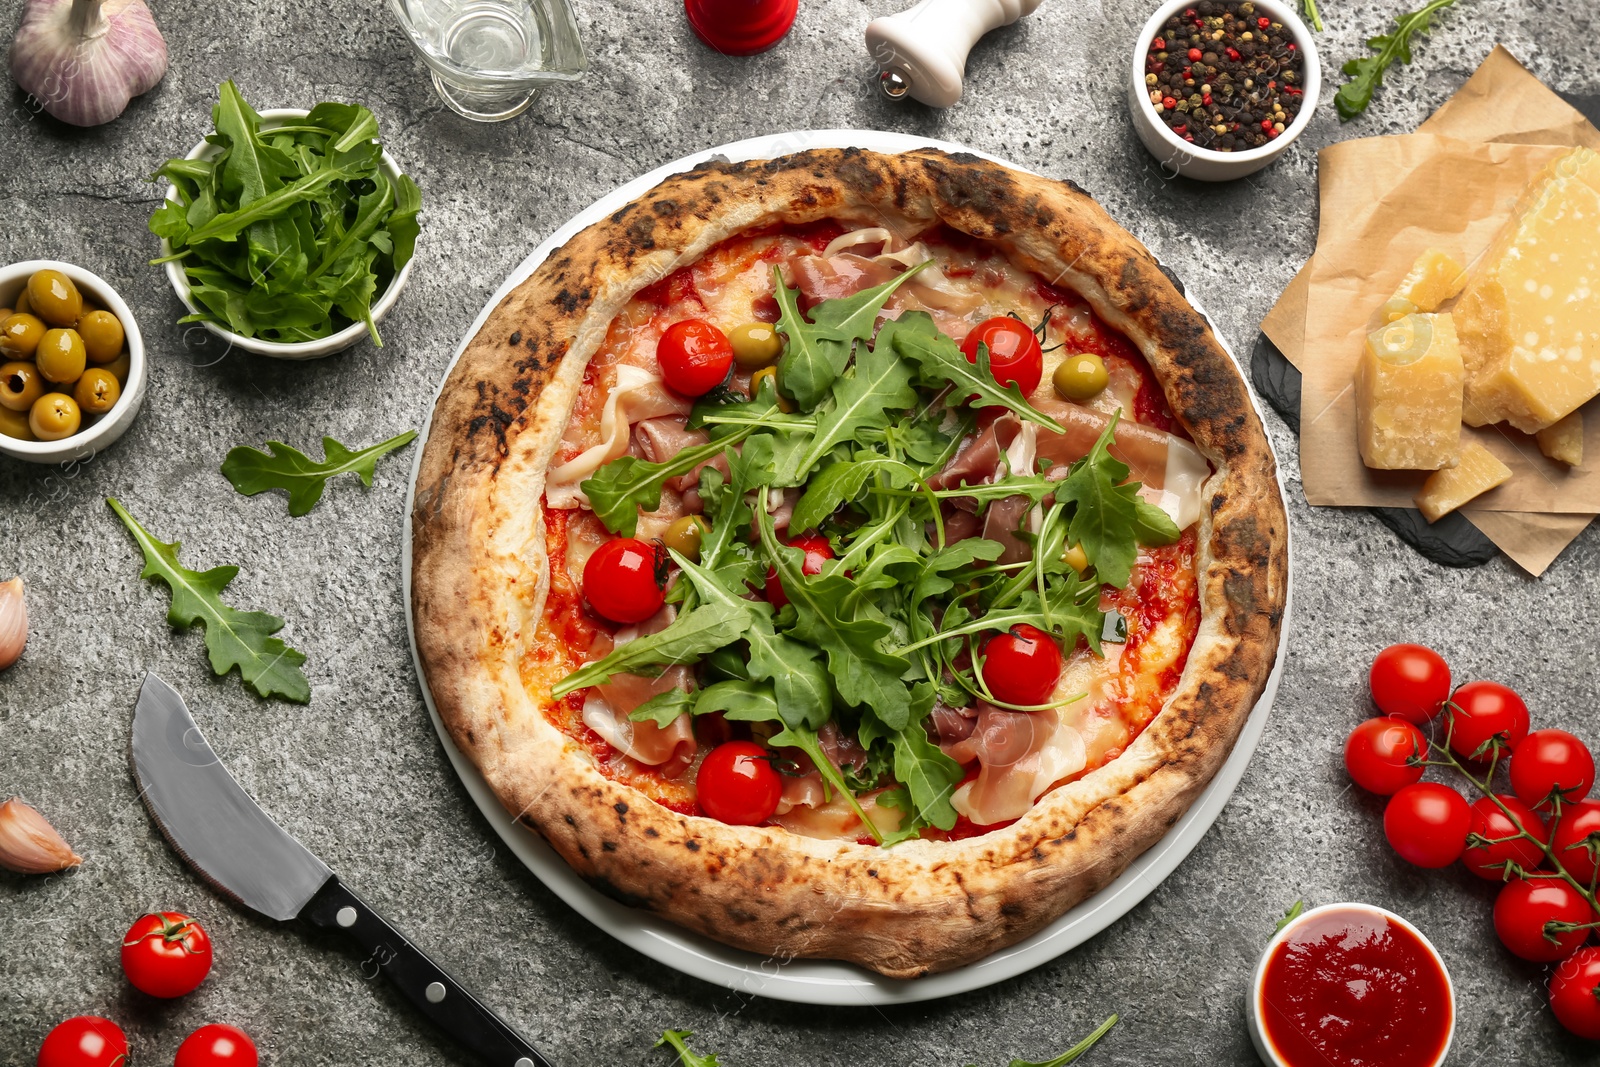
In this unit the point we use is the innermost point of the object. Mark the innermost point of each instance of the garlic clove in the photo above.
(13, 622)
(83, 60)
(29, 844)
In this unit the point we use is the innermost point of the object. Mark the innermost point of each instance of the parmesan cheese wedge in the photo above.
(1434, 278)
(1527, 316)
(1477, 473)
(1563, 442)
(1408, 395)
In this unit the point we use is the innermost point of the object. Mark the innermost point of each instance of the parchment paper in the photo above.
(1390, 198)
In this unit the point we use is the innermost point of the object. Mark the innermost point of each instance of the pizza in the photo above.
(848, 555)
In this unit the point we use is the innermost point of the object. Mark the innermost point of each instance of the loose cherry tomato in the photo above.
(624, 580)
(1501, 836)
(695, 356)
(1575, 993)
(1426, 823)
(1523, 908)
(1014, 352)
(217, 1045)
(1485, 711)
(1377, 752)
(1022, 665)
(1410, 682)
(1578, 827)
(1549, 764)
(166, 954)
(737, 784)
(818, 551)
(84, 1041)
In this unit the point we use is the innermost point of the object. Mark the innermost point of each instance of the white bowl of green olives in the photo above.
(322, 346)
(72, 366)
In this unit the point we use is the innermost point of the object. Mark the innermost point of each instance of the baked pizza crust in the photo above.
(480, 575)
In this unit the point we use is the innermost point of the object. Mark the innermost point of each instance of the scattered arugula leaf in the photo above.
(252, 471)
(663, 709)
(1366, 72)
(687, 1057)
(233, 638)
(622, 488)
(691, 635)
(941, 360)
(1107, 520)
(1075, 1052)
(819, 350)
(1291, 915)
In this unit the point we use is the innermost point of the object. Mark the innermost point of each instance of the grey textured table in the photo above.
(359, 776)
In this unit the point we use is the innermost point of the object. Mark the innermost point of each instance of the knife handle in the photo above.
(424, 983)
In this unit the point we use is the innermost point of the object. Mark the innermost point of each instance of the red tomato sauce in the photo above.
(1350, 988)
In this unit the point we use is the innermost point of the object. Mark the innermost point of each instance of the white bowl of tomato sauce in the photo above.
(1348, 984)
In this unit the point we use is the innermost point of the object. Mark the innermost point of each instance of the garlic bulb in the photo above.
(83, 60)
(13, 622)
(29, 844)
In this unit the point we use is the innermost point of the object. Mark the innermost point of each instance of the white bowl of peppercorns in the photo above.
(1220, 88)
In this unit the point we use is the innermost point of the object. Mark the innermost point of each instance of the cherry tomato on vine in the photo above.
(1410, 682)
(1014, 352)
(1483, 711)
(738, 785)
(1523, 908)
(1491, 823)
(1575, 993)
(1377, 752)
(84, 1041)
(166, 954)
(217, 1045)
(818, 551)
(624, 580)
(1548, 764)
(1426, 823)
(1571, 839)
(695, 357)
(1022, 665)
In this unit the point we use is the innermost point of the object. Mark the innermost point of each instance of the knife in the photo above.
(215, 826)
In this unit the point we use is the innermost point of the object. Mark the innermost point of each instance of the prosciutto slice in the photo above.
(636, 394)
(671, 748)
(975, 462)
(659, 439)
(1020, 755)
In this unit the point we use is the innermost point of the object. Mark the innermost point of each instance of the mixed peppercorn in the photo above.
(1223, 77)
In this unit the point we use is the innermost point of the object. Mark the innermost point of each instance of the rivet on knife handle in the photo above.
(426, 984)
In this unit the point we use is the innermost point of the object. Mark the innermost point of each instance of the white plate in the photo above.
(817, 981)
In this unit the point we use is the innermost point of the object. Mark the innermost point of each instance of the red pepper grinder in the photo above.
(740, 27)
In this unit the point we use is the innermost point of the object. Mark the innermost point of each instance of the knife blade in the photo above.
(236, 847)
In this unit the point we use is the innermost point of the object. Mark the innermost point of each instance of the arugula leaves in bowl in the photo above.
(289, 233)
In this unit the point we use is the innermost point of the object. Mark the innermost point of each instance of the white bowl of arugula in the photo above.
(288, 233)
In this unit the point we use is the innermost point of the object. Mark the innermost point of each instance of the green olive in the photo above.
(20, 386)
(15, 424)
(755, 344)
(1080, 376)
(60, 356)
(97, 391)
(684, 536)
(54, 416)
(20, 334)
(102, 335)
(784, 403)
(54, 298)
(120, 367)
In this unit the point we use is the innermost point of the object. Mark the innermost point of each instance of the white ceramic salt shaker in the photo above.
(922, 52)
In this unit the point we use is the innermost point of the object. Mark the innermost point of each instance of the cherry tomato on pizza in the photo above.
(695, 357)
(1410, 682)
(625, 580)
(1575, 993)
(1426, 823)
(1551, 764)
(737, 784)
(1014, 352)
(1485, 711)
(1524, 908)
(166, 954)
(1379, 752)
(84, 1041)
(1021, 666)
(1576, 839)
(217, 1045)
(818, 551)
(1501, 838)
